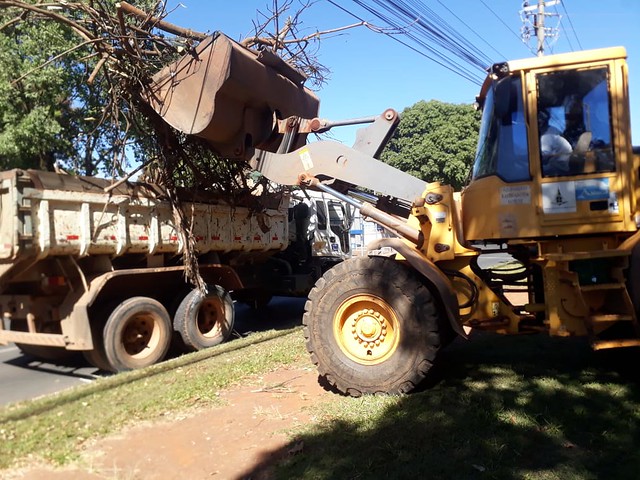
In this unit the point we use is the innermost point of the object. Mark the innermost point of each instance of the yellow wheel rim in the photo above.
(366, 329)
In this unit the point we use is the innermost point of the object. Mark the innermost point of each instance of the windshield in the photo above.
(574, 122)
(502, 144)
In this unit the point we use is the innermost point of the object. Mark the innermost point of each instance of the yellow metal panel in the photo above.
(571, 58)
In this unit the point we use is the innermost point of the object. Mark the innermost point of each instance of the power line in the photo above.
(443, 33)
(472, 30)
(571, 24)
(429, 31)
(499, 18)
(561, 27)
(431, 53)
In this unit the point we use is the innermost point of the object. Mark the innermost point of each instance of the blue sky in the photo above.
(371, 72)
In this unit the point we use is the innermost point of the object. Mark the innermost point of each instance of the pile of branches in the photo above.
(126, 46)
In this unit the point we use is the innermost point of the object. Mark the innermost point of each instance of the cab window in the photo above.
(574, 122)
(502, 146)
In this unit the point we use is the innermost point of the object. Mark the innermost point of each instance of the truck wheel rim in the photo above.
(141, 335)
(210, 317)
(366, 329)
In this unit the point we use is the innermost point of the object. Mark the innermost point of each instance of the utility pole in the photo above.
(534, 23)
(540, 28)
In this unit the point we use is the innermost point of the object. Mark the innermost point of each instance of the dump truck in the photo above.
(86, 265)
(568, 219)
(97, 266)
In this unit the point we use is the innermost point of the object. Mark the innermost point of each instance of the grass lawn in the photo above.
(527, 407)
(53, 428)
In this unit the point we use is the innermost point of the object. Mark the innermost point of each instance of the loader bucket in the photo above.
(231, 96)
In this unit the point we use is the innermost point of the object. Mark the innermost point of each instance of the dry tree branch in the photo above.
(84, 33)
(97, 68)
(14, 21)
(293, 48)
(270, 42)
(159, 23)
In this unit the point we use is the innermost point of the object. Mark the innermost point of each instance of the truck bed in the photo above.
(48, 214)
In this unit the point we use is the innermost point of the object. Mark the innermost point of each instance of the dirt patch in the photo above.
(239, 440)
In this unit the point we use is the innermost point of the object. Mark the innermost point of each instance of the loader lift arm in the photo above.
(329, 165)
(357, 165)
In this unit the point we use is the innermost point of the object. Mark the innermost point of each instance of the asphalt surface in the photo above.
(23, 377)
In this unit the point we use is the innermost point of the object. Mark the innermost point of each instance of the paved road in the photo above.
(487, 260)
(22, 377)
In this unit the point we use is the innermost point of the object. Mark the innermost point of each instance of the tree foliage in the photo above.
(73, 74)
(36, 116)
(49, 111)
(435, 141)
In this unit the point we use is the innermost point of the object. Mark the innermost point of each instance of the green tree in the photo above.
(34, 109)
(48, 110)
(435, 141)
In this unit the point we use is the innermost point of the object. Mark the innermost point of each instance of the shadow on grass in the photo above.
(498, 407)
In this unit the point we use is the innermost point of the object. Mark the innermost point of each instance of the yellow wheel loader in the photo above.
(554, 190)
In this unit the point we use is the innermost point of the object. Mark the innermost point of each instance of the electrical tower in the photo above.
(539, 22)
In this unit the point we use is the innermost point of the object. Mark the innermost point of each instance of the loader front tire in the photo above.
(203, 321)
(371, 326)
(137, 334)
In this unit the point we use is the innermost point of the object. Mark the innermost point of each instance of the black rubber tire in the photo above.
(391, 288)
(177, 347)
(98, 357)
(203, 321)
(137, 334)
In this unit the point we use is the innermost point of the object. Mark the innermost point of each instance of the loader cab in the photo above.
(554, 151)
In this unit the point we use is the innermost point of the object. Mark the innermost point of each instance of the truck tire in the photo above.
(371, 326)
(98, 357)
(203, 321)
(137, 334)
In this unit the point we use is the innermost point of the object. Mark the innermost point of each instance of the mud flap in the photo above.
(431, 273)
